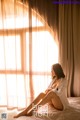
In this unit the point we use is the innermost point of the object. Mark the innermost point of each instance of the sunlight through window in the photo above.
(45, 51)
(26, 54)
(10, 48)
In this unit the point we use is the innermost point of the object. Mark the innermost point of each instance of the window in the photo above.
(25, 56)
(10, 53)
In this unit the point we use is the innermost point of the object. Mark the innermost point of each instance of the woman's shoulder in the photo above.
(64, 80)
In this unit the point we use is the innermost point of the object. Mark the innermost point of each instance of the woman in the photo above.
(55, 93)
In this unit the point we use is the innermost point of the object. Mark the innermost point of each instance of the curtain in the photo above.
(69, 45)
(49, 11)
(27, 51)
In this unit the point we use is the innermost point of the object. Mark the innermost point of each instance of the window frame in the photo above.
(22, 33)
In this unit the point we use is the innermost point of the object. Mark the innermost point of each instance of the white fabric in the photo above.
(72, 113)
(61, 91)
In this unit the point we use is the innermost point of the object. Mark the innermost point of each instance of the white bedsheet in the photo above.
(71, 113)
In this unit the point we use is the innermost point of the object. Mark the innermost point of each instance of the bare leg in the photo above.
(38, 98)
(51, 96)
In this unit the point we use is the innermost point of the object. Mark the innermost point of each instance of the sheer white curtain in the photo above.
(26, 54)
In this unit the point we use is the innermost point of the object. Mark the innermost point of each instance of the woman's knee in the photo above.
(55, 100)
(51, 94)
(42, 94)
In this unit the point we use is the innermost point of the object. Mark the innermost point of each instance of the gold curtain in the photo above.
(69, 45)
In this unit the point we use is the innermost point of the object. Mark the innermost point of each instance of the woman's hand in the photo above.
(48, 90)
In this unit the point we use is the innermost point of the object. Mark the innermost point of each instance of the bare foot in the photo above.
(19, 115)
(29, 114)
(16, 116)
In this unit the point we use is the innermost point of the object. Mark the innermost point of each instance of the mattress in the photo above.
(71, 113)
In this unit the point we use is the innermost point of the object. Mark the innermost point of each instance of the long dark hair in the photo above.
(58, 70)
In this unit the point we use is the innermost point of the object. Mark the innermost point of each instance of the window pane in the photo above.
(27, 51)
(13, 15)
(10, 53)
(15, 90)
(36, 21)
(3, 88)
(44, 51)
(18, 19)
(40, 83)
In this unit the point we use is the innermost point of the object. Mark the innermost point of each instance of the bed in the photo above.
(71, 113)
